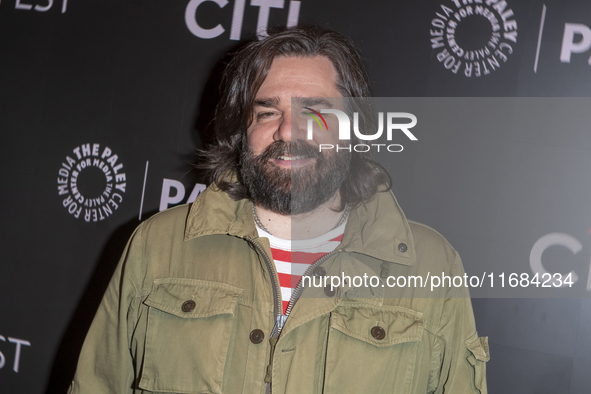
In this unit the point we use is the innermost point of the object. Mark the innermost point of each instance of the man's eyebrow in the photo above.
(267, 102)
(312, 101)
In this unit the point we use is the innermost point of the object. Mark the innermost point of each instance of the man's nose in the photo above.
(290, 128)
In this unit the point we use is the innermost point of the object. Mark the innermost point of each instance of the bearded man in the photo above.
(208, 298)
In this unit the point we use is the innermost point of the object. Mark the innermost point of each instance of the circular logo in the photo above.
(91, 184)
(474, 37)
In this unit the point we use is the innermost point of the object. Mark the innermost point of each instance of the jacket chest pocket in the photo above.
(189, 328)
(372, 349)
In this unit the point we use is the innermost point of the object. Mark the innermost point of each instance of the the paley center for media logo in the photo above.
(391, 122)
(92, 182)
(473, 37)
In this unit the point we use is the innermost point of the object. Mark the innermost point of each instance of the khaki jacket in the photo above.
(192, 309)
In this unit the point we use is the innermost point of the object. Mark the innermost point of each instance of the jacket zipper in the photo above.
(299, 288)
(280, 318)
(271, 268)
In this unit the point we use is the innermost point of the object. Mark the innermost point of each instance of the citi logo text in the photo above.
(238, 11)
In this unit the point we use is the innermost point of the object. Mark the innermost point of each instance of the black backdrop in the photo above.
(130, 85)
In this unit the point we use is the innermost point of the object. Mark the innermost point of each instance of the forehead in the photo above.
(291, 76)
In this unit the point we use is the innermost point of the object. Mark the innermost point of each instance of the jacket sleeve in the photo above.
(465, 356)
(105, 364)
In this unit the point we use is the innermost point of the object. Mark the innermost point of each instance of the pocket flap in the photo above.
(398, 324)
(478, 346)
(190, 298)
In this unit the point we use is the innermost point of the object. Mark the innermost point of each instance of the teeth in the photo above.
(291, 157)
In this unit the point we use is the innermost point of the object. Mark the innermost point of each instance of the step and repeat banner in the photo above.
(104, 103)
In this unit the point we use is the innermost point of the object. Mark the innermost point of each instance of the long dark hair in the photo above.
(241, 81)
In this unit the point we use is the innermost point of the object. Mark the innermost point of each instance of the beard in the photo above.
(292, 191)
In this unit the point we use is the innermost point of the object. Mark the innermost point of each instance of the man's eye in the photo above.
(310, 111)
(263, 115)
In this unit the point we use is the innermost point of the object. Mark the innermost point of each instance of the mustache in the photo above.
(292, 148)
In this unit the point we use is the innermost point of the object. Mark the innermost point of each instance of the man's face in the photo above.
(283, 170)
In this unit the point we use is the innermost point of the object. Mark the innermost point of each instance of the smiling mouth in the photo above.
(285, 161)
(291, 157)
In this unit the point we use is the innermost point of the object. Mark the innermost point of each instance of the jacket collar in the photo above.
(377, 228)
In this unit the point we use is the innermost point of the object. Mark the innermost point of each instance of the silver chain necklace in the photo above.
(262, 226)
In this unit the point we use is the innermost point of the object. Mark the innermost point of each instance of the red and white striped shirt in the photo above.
(293, 257)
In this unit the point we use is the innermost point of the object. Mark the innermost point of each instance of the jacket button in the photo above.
(378, 333)
(402, 247)
(319, 271)
(329, 292)
(256, 336)
(188, 306)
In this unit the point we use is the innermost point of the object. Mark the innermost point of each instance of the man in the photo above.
(206, 301)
